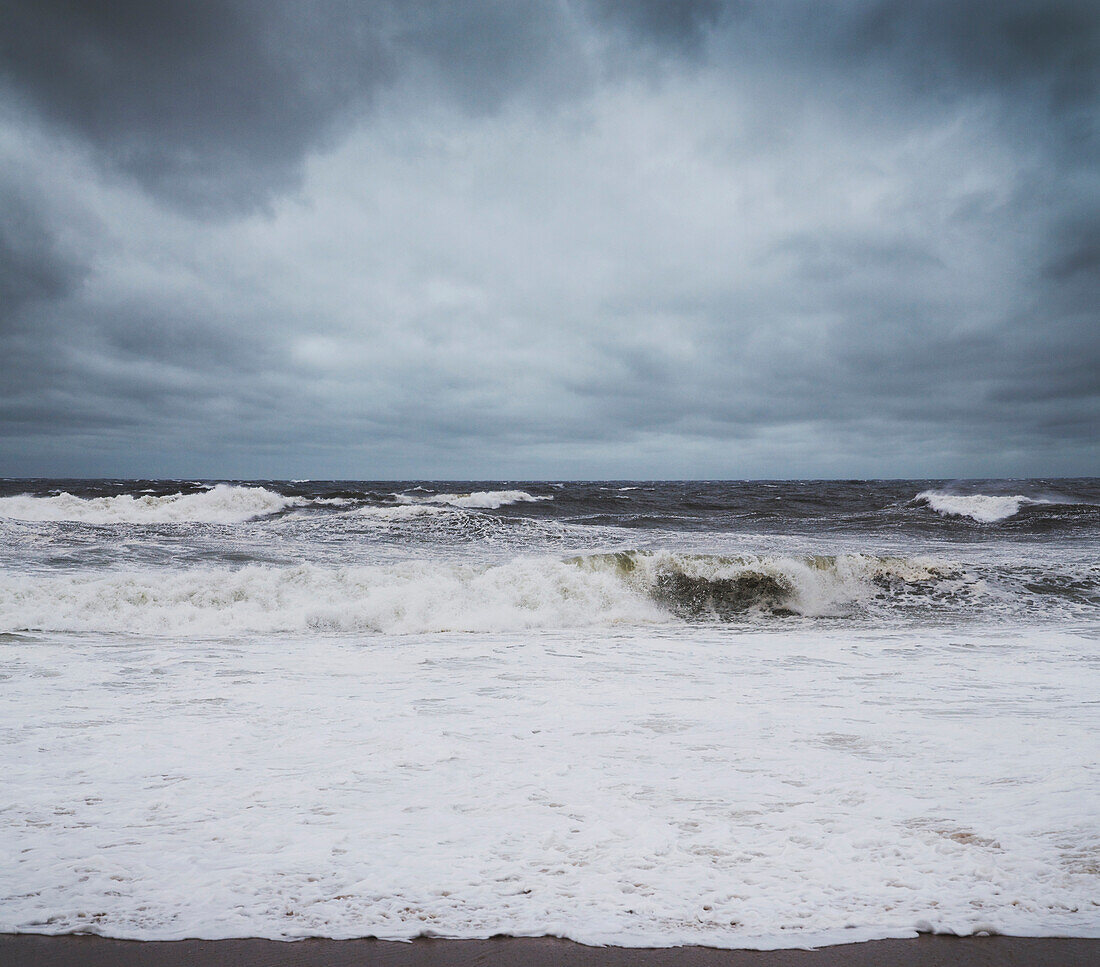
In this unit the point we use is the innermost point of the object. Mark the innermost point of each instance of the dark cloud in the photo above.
(988, 43)
(32, 267)
(641, 238)
(1034, 63)
(681, 24)
(212, 104)
(489, 52)
(1076, 259)
(209, 104)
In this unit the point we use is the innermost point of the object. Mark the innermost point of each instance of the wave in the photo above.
(984, 508)
(400, 512)
(479, 500)
(410, 598)
(221, 504)
(704, 585)
(626, 588)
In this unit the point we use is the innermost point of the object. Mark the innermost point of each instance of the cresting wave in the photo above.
(222, 504)
(628, 588)
(408, 598)
(984, 508)
(479, 500)
(232, 504)
(705, 585)
(400, 512)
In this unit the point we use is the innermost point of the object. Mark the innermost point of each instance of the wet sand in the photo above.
(32, 950)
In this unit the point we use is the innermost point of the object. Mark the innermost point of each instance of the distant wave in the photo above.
(479, 500)
(400, 512)
(984, 508)
(607, 589)
(222, 504)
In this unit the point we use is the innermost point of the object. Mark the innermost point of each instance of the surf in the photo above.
(221, 504)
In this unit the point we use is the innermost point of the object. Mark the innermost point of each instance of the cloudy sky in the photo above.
(556, 238)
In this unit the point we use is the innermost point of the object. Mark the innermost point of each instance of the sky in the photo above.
(550, 239)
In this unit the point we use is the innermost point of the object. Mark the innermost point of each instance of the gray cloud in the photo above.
(212, 105)
(31, 266)
(206, 103)
(549, 238)
(1051, 44)
(679, 24)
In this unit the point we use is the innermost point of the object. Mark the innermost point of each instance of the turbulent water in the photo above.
(728, 713)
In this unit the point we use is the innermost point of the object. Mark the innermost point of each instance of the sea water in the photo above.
(736, 714)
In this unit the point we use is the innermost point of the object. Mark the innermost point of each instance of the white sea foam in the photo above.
(745, 789)
(984, 508)
(811, 586)
(645, 747)
(222, 504)
(405, 598)
(401, 512)
(604, 590)
(479, 500)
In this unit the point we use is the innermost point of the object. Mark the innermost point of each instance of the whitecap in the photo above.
(409, 598)
(984, 508)
(478, 500)
(401, 512)
(222, 504)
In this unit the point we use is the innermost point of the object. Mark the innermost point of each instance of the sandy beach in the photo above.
(32, 950)
(927, 951)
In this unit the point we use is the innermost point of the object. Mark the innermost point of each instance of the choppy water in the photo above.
(740, 714)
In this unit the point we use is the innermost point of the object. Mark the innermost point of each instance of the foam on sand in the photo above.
(647, 789)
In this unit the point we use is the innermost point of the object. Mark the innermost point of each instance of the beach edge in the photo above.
(928, 950)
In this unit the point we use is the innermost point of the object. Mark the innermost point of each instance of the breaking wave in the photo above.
(221, 504)
(400, 512)
(405, 598)
(704, 585)
(627, 588)
(984, 508)
(992, 508)
(479, 500)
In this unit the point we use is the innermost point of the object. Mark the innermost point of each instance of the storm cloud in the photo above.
(549, 239)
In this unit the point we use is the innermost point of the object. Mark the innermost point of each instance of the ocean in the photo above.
(738, 714)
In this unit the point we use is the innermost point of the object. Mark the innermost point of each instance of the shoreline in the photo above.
(927, 950)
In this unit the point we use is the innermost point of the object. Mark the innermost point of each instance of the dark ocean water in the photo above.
(709, 550)
(1033, 506)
